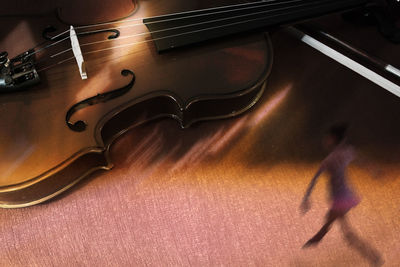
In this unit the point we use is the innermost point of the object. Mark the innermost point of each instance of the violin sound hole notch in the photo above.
(51, 29)
(80, 126)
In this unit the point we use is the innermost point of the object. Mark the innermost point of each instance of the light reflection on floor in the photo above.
(195, 198)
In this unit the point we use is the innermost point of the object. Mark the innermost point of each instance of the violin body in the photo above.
(52, 136)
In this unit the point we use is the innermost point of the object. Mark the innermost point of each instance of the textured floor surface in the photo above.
(227, 193)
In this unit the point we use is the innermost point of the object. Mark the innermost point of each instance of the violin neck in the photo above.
(182, 29)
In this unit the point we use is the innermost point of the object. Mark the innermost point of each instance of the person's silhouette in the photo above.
(342, 195)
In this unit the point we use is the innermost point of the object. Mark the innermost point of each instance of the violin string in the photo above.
(159, 21)
(178, 27)
(161, 38)
(76, 34)
(172, 28)
(267, 2)
(199, 23)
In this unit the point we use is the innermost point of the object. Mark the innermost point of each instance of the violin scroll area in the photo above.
(18, 73)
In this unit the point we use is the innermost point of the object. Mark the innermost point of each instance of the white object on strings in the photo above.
(76, 49)
(349, 63)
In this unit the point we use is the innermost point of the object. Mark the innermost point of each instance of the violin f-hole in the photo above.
(80, 125)
(51, 29)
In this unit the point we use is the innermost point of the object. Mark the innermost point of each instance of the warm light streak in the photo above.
(13, 39)
(149, 144)
(269, 106)
(94, 85)
(229, 134)
(249, 120)
(197, 152)
(20, 153)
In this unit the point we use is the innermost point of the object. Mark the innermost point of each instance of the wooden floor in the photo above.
(227, 193)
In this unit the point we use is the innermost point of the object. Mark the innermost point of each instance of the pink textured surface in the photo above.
(228, 192)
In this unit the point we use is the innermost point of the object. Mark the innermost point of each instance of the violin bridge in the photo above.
(76, 49)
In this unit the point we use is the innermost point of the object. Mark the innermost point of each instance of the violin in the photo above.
(75, 80)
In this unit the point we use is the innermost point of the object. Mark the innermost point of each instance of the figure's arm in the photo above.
(305, 205)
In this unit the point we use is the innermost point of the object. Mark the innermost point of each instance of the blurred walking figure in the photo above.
(342, 196)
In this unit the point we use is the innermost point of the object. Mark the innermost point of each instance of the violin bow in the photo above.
(371, 68)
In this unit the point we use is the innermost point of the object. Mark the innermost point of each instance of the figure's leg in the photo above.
(330, 218)
(360, 245)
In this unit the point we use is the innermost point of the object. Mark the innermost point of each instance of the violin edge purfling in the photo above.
(187, 100)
